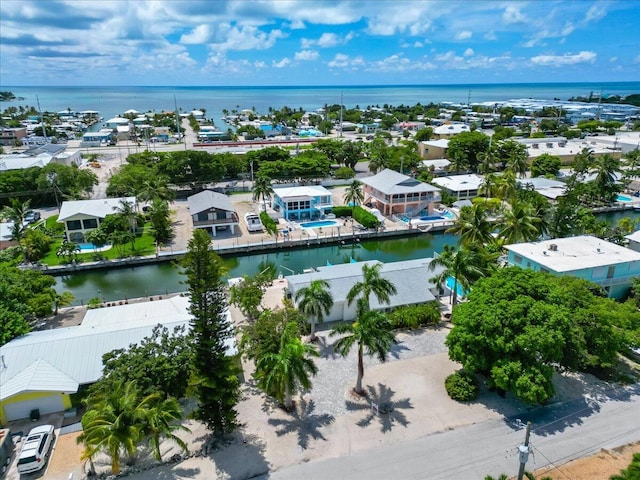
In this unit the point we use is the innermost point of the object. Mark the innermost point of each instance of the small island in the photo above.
(8, 96)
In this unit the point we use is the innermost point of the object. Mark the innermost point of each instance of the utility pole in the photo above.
(341, 114)
(44, 128)
(524, 452)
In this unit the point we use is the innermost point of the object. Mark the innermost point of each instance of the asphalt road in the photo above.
(559, 434)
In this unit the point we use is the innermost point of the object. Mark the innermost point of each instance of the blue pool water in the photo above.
(319, 224)
(430, 218)
(459, 289)
(623, 198)
(86, 247)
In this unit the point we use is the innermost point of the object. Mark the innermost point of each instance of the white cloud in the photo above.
(342, 60)
(595, 12)
(512, 14)
(307, 55)
(464, 35)
(282, 63)
(468, 52)
(245, 38)
(613, 59)
(326, 40)
(418, 44)
(198, 35)
(566, 59)
(490, 35)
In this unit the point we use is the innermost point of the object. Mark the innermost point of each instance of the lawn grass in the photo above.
(144, 245)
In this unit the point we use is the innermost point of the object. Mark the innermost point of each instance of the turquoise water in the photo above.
(319, 224)
(86, 247)
(461, 291)
(623, 198)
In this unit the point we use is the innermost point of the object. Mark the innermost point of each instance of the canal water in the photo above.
(165, 278)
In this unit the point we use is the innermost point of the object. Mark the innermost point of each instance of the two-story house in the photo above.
(609, 265)
(82, 216)
(212, 211)
(308, 202)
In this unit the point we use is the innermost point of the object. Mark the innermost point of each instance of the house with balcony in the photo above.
(308, 202)
(606, 264)
(393, 193)
(463, 187)
(213, 212)
(82, 216)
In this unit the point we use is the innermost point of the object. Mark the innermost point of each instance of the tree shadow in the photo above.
(379, 404)
(226, 451)
(304, 422)
(397, 349)
(577, 398)
(325, 349)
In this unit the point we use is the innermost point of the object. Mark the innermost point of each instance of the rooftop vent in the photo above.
(553, 247)
(544, 252)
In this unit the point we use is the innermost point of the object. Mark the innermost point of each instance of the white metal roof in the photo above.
(410, 277)
(440, 143)
(99, 208)
(117, 120)
(460, 183)
(304, 191)
(574, 253)
(634, 237)
(451, 129)
(74, 354)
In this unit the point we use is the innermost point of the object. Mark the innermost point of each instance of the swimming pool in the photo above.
(623, 198)
(319, 224)
(461, 291)
(90, 247)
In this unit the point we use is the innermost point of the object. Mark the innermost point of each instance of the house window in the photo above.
(74, 225)
(517, 259)
(611, 271)
(203, 216)
(544, 270)
(221, 215)
(90, 223)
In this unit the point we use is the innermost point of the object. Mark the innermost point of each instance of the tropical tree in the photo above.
(16, 212)
(606, 167)
(160, 217)
(128, 210)
(517, 157)
(371, 332)
(216, 380)
(156, 187)
(285, 372)
(473, 226)
(262, 188)
(62, 300)
(164, 418)
(68, 250)
(353, 195)
(519, 223)
(464, 265)
(315, 301)
(372, 283)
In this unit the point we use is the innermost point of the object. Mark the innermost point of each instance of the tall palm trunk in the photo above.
(455, 290)
(360, 370)
(288, 401)
(313, 329)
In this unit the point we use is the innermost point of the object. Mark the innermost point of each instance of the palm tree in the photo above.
(517, 161)
(262, 188)
(372, 331)
(463, 265)
(315, 301)
(505, 185)
(62, 300)
(473, 226)
(128, 211)
(519, 223)
(156, 187)
(288, 370)
(488, 160)
(163, 419)
(353, 195)
(16, 211)
(606, 168)
(372, 283)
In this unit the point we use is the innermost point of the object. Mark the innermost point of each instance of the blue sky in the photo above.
(317, 42)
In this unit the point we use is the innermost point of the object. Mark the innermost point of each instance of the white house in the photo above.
(412, 279)
(609, 265)
(307, 202)
(41, 369)
(634, 241)
(463, 187)
(448, 130)
(82, 216)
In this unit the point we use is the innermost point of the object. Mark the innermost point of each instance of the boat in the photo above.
(252, 221)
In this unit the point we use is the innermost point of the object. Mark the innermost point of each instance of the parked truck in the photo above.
(6, 450)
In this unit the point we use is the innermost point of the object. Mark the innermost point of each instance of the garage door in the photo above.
(19, 410)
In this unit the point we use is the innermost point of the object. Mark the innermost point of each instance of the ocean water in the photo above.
(114, 100)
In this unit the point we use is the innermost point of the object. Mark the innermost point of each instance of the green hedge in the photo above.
(345, 173)
(269, 223)
(342, 211)
(365, 218)
(416, 316)
(461, 386)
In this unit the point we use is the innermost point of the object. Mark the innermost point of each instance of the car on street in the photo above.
(35, 450)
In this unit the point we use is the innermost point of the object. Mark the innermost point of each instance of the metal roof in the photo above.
(208, 199)
(412, 279)
(391, 182)
(75, 353)
(311, 191)
(92, 208)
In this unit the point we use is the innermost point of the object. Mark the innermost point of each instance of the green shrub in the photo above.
(365, 218)
(416, 316)
(269, 223)
(461, 386)
(342, 211)
(345, 173)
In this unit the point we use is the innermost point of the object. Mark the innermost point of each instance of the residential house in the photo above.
(448, 130)
(438, 166)
(82, 216)
(546, 187)
(40, 370)
(634, 241)
(412, 279)
(463, 187)
(6, 235)
(96, 139)
(308, 202)
(566, 150)
(212, 211)
(393, 193)
(611, 266)
(433, 149)
(12, 136)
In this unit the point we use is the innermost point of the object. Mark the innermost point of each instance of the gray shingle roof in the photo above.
(207, 199)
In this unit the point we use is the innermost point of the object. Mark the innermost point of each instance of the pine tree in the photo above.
(216, 374)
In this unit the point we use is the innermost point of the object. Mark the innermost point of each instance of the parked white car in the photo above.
(35, 449)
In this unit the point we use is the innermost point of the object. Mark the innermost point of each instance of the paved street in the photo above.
(559, 434)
